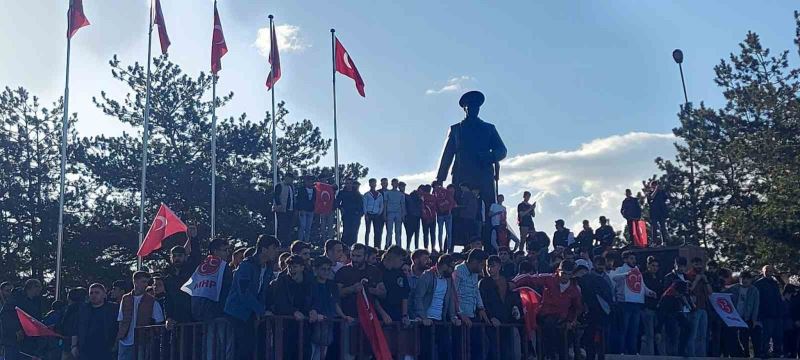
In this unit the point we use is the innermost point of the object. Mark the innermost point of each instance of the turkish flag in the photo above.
(531, 301)
(274, 59)
(372, 327)
(158, 19)
(164, 225)
(75, 17)
(218, 46)
(345, 66)
(33, 327)
(639, 232)
(325, 194)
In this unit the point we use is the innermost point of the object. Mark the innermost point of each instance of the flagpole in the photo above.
(274, 127)
(64, 131)
(145, 135)
(213, 154)
(335, 134)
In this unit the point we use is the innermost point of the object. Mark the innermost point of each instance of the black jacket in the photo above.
(771, 302)
(108, 317)
(658, 205)
(605, 235)
(655, 283)
(290, 296)
(302, 202)
(631, 210)
(494, 305)
(593, 287)
(350, 203)
(413, 205)
(560, 237)
(584, 240)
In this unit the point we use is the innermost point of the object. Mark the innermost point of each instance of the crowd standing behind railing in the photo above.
(575, 298)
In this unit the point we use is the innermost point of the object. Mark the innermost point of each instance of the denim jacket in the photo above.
(243, 298)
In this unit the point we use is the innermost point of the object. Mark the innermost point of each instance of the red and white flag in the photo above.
(325, 195)
(206, 281)
(274, 59)
(165, 224)
(346, 66)
(218, 46)
(33, 327)
(634, 284)
(75, 17)
(158, 19)
(723, 304)
(372, 327)
(639, 232)
(531, 301)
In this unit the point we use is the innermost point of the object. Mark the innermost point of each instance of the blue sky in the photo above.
(562, 79)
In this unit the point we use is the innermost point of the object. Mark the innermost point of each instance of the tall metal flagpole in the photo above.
(145, 133)
(335, 134)
(274, 127)
(213, 155)
(64, 131)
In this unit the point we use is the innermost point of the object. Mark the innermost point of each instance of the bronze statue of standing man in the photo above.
(474, 148)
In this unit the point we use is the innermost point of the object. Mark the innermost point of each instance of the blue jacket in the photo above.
(243, 300)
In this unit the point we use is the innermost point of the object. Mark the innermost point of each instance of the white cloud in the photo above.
(578, 184)
(289, 39)
(453, 84)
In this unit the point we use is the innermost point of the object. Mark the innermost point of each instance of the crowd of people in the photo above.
(429, 300)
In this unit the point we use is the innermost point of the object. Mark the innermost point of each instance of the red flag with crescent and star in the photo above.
(33, 327)
(531, 301)
(274, 59)
(158, 19)
(345, 66)
(218, 46)
(325, 194)
(76, 18)
(165, 224)
(372, 327)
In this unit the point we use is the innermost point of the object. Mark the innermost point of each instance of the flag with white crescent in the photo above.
(346, 66)
(165, 224)
(323, 202)
(218, 46)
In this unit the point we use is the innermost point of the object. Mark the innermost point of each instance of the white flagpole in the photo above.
(64, 132)
(274, 127)
(145, 133)
(335, 134)
(213, 155)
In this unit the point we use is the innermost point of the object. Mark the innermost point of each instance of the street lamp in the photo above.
(677, 55)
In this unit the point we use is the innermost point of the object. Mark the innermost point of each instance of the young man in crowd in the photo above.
(118, 288)
(31, 301)
(631, 301)
(497, 217)
(351, 206)
(700, 290)
(676, 304)
(291, 296)
(585, 239)
(393, 306)
(302, 249)
(373, 201)
(324, 307)
(96, 327)
(507, 266)
(248, 297)
(394, 202)
(334, 251)
(468, 298)
(503, 306)
(631, 210)
(562, 237)
(746, 298)
(137, 308)
(525, 214)
(178, 304)
(353, 279)
(413, 217)
(236, 258)
(604, 235)
(596, 297)
(306, 198)
(657, 199)
(561, 305)
(445, 202)
(770, 312)
(651, 324)
(428, 217)
(434, 300)
(420, 261)
(284, 208)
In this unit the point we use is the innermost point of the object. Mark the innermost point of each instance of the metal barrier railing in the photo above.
(283, 337)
